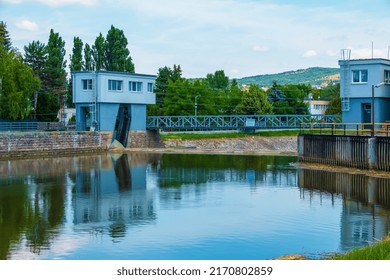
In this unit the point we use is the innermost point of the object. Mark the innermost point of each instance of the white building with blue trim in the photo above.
(112, 101)
(358, 79)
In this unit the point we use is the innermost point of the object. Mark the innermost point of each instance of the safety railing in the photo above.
(236, 122)
(364, 129)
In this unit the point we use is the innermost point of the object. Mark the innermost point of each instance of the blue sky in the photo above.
(241, 37)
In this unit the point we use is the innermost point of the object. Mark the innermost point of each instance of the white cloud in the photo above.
(260, 48)
(27, 25)
(310, 53)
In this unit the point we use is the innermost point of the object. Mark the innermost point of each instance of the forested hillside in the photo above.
(314, 76)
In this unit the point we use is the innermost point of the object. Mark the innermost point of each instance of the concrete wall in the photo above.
(350, 151)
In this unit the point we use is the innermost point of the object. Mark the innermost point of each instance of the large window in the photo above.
(87, 84)
(359, 76)
(387, 77)
(150, 87)
(115, 85)
(135, 86)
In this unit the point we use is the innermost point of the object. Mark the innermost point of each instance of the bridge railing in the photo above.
(236, 122)
(332, 128)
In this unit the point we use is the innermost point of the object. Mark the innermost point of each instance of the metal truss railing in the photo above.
(236, 122)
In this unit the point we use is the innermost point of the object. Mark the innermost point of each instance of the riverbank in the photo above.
(281, 145)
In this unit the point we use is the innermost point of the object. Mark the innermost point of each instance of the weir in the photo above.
(361, 152)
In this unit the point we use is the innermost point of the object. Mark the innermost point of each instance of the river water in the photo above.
(185, 206)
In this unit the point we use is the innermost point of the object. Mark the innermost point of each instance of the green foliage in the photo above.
(5, 39)
(17, 86)
(35, 56)
(117, 55)
(378, 251)
(254, 102)
(88, 58)
(332, 93)
(314, 76)
(76, 59)
(98, 50)
(218, 80)
(290, 99)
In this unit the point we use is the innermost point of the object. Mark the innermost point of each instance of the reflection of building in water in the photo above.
(114, 196)
(365, 215)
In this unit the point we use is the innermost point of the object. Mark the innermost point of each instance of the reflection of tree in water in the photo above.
(33, 216)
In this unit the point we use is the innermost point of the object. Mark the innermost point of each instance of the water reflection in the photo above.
(365, 216)
(175, 206)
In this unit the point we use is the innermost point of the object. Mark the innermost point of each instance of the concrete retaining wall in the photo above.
(351, 151)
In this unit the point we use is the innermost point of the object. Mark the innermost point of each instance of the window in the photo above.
(115, 85)
(135, 86)
(387, 77)
(87, 84)
(150, 87)
(359, 76)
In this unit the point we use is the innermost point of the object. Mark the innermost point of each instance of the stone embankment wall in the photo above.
(51, 143)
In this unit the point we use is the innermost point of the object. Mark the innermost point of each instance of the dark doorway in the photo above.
(366, 117)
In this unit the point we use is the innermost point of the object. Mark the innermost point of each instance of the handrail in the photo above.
(380, 129)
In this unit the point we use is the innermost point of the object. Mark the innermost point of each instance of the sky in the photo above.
(241, 37)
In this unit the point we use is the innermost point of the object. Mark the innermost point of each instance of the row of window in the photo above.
(361, 76)
(117, 85)
(320, 107)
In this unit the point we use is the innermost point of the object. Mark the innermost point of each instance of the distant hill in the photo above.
(315, 76)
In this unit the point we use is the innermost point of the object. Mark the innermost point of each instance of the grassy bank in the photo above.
(378, 251)
(194, 136)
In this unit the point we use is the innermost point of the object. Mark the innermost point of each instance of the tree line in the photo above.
(35, 85)
(216, 94)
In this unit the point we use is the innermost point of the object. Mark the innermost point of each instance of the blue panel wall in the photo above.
(355, 114)
(138, 117)
(107, 113)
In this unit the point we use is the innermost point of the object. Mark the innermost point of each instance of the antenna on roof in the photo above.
(372, 50)
(388, 52)
(345, 54)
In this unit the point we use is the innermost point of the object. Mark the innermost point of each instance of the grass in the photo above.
(195, 136)
(378, 251)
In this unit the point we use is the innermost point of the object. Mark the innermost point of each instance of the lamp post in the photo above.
(196, 104)
(373, 108)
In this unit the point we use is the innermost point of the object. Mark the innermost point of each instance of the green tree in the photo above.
(332, 93)
(178, 101)
(164, 75)
(98, 53)
(76, 58)
(53, 80)
(5, 38)
(76, 64)
(35, 56)
(117, 55)
(254, 102)
(289, 99)
(88, 58)
(218, 80)
(17, 85)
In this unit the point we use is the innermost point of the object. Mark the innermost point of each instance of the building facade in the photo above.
(317, 107)
(112, 101)
(359, 78)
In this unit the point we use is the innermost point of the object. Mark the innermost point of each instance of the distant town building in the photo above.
(112, 101)
(358, 79)
(317, 107)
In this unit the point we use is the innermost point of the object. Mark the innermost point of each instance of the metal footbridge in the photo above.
(236, 122)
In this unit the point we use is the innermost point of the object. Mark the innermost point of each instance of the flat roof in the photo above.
(114, 73)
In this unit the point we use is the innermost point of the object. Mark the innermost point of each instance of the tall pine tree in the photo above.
(35, 56)
(54, 79)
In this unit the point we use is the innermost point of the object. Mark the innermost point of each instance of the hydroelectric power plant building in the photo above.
(112, 101)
